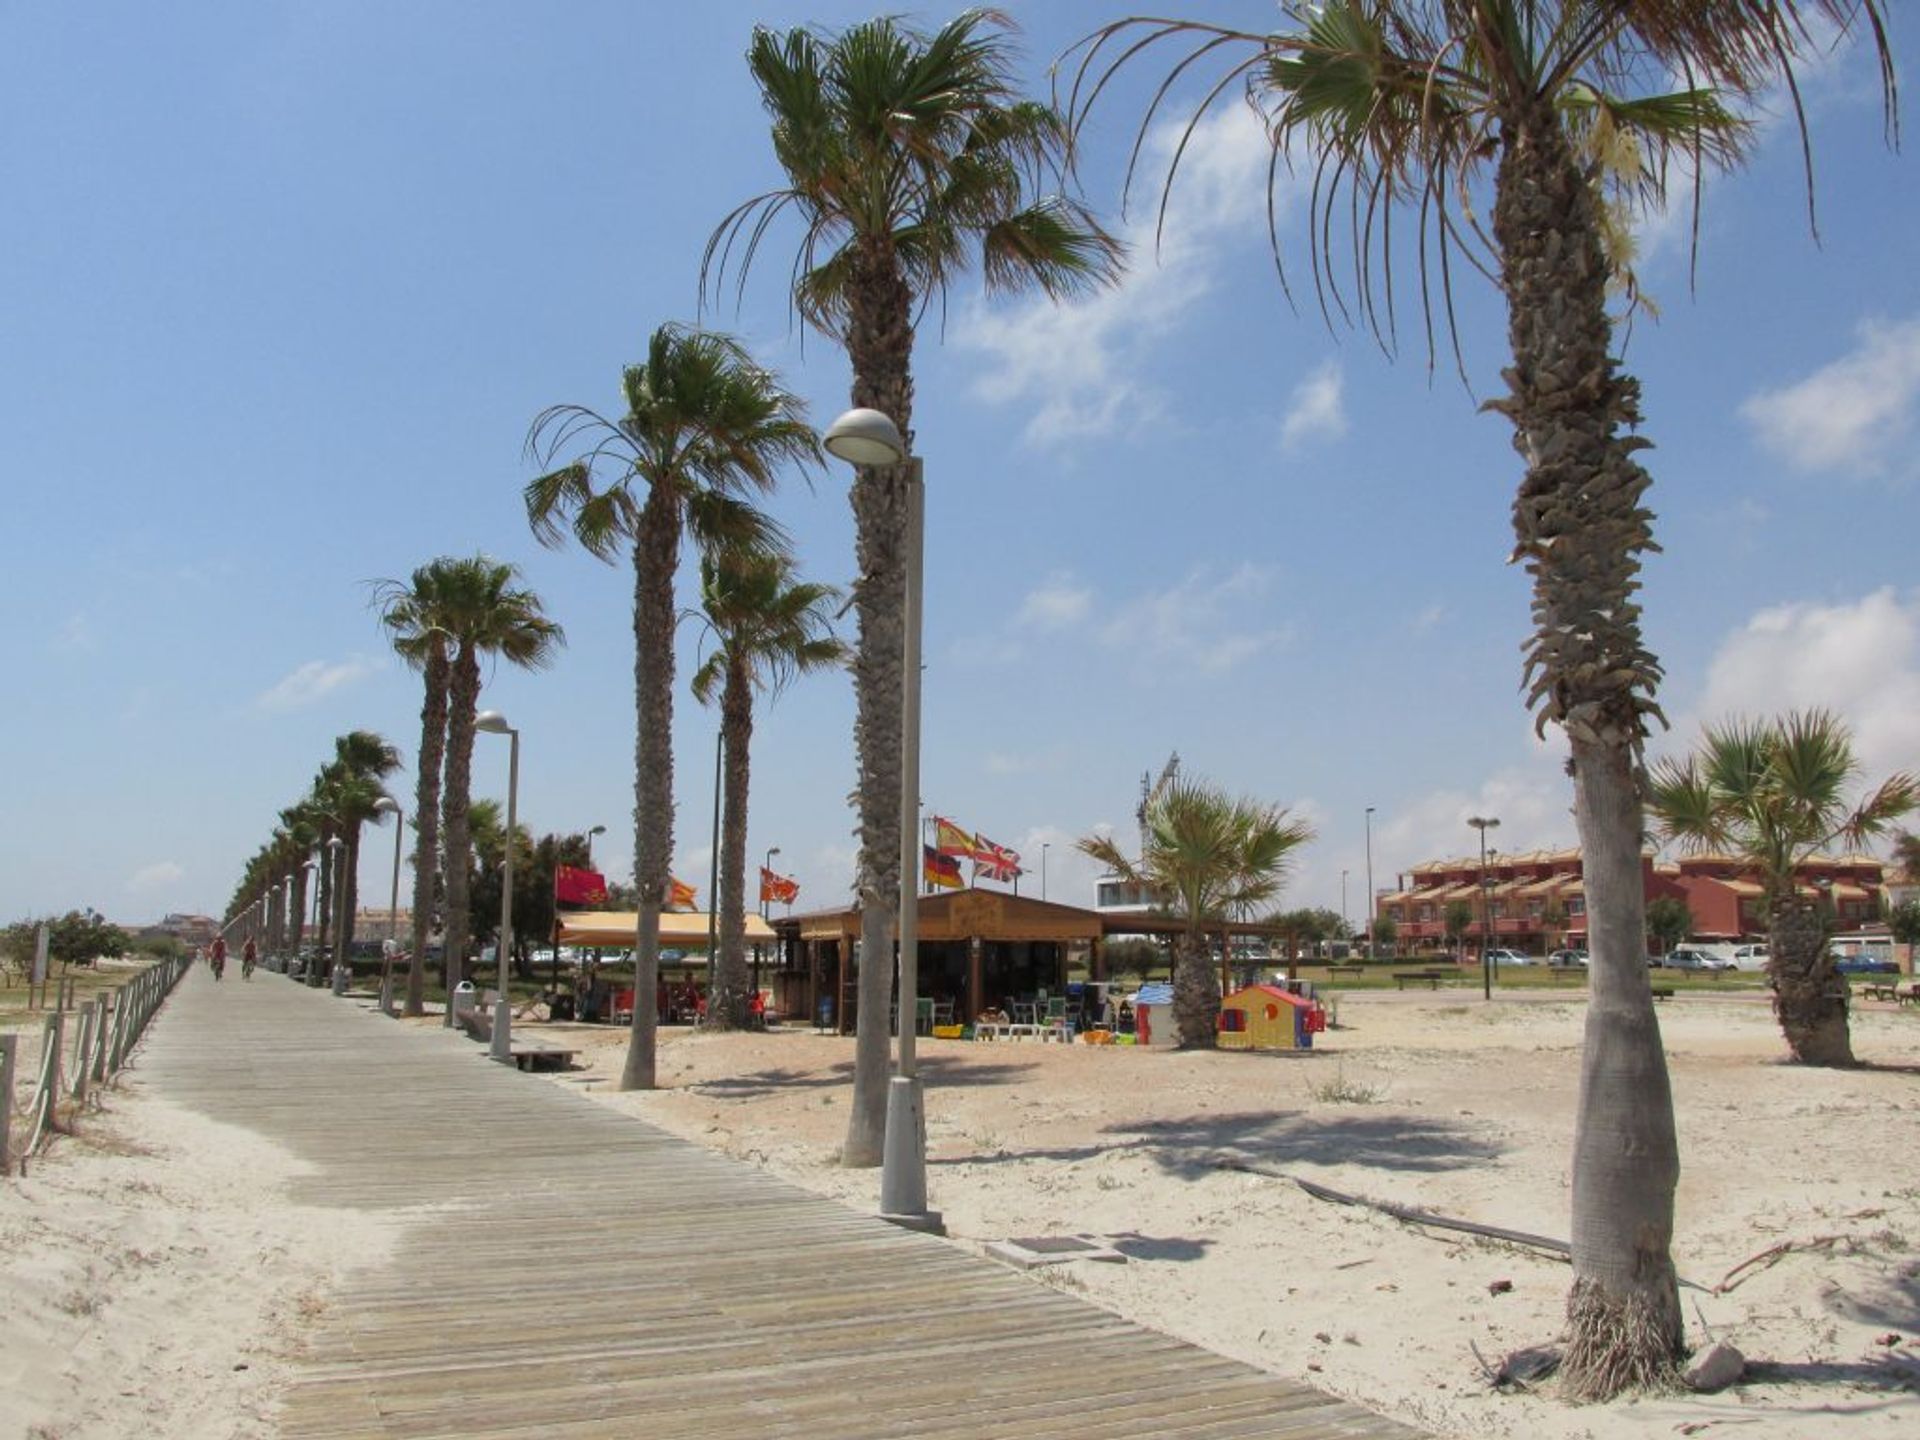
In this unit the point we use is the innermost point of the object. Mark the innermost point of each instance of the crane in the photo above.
(1151, 790)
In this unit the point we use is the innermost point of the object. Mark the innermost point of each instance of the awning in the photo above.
(682, 929)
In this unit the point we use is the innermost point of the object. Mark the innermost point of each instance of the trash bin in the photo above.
(465, 998)
(341, 975)
(824, 1020)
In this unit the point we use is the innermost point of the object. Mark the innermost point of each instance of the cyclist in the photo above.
(248, 956)
(217, 956)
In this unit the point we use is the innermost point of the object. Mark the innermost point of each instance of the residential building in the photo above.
(1536, 901)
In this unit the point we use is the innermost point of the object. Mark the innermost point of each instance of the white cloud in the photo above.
(158, 876)
(1057, 605)
(75, 636)
(1078, 363)
(1532, 799)
(1430, 618)
(1861, 660)
(1202, 622)
(1856, 412)
(314, 681)
(1315, 410)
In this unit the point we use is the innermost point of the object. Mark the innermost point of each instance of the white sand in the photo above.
(1472, 1117)
(156, 1280)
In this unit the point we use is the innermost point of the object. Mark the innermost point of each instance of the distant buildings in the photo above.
(1536, 901)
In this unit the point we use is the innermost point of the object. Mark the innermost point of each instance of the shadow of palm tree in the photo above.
(947, 1073)
(1195, 1145)
(1889, 1372)
(1136, 1246)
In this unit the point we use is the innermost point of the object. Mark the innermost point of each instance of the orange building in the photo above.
(1535, 901)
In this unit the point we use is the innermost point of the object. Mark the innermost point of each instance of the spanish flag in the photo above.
(680, 895)
(950, 839)
(777, 888)
(941, 871)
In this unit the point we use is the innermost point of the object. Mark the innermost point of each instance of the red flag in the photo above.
(680, 895)
(950, 839)
(573, 886)
(942, 871)
(777, 888)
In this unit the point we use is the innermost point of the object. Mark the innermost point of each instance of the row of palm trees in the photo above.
(909, 157)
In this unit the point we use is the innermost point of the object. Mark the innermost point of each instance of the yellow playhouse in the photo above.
(1265, 1017)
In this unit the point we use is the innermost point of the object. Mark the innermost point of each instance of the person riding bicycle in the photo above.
(248, 956)
(217, 956)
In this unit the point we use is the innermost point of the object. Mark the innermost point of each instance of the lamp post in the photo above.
(596, 830)
(867, 437)
(301, 923)
(494, 723)
(1372, 903)
(1345, 924)
(1045, 846)
(1484, 823)
(337, 859)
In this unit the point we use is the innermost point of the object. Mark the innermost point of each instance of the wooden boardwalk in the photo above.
(584, 1274)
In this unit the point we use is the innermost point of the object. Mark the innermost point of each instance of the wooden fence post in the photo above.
(56, 1038)
(9, 1046)
(107, 1009)
(82, 1055)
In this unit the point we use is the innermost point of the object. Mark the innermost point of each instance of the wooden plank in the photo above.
(566, 1272)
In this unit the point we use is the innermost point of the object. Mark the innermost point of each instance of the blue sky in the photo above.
(283, 285)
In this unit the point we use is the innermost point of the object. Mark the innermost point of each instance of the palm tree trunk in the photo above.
(1809, 996)
(296, 927)
(463, 693)
(322, 949)
(1196, 992)
(1580, 527)
(426, 816)
(880, 345)
(727, 997)
(656, 554)
(350, 912)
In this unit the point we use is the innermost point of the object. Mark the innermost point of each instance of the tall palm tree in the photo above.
(483, 611)
(1213, 858)
(413, 614)
(703, 426)
(1773, 794)
(365, 760)
(908, 157)
(1560, 107)
(768, 629)
(303, 831)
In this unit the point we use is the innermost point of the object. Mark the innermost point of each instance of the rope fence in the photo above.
(82, 1049)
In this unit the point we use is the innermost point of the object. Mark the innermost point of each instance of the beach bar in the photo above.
(979, 949)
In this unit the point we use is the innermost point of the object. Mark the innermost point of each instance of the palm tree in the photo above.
(1214, 858)
(365, 760)
(769, 629)
(482, 611)
(908, 157)
(1775, 793)
(303, 831)
(1555, 105)
(1906, 853)
(413, 615)
(704, 425)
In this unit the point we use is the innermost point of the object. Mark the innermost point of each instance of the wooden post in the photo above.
(107, 1011)
(976, 977)
(56, 1037)
(1097, 960)
(83, 1053)
(9, 1047)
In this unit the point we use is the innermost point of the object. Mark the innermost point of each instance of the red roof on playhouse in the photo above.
(1266, 1017)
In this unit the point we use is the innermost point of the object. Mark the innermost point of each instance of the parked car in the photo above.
(1749, 957)
(1683, 960)
(1696, 958)
(1510, 957)
(1568, 959)
(1865, 964)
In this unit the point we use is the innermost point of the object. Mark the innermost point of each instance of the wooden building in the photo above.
(979, 949)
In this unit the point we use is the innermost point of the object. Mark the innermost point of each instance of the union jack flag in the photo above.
(994, 862)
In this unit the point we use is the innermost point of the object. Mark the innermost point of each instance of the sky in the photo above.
(283, 285)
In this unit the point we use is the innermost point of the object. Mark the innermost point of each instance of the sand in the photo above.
(1432, 1101)
(156, 1280)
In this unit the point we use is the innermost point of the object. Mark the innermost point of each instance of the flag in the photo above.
(942, 871)
(573, 886)
(950, 839)
(994, 862)
(777, 888)
(680, 895)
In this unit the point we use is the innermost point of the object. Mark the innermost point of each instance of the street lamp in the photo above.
(1372, 903)
(1345, 924)
(1045, 846)
(494, 723)
(301, 924)
(867, 437)
(596, 830)
(1484, 823)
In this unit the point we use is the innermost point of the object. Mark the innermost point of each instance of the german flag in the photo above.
(942, 872)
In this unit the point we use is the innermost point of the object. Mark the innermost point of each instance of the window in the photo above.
(1576, 905)
(1498, 907)
(1426, 912)
(1536, 908)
